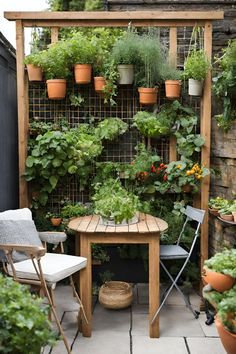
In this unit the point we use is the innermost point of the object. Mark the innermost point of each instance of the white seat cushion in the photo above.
(55, 267)
(16, 214)
(172, 251)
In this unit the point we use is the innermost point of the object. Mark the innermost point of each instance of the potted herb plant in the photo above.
(110, 128)
(125, 54)
(24, 325)
(172, 78)
(196, 67)
(151, 124)
(55, 218)
(55, 65)
(114, 203)
(82, 52)
(215, 204)
(220, 270)
(148, 75)
(34, 70)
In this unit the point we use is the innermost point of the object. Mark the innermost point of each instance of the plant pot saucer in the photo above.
(110, 222)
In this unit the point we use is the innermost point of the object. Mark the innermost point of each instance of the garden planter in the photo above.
(83, 73)
(99, 83)
(56, 89)
(234, 215)
(172, 88)
(214, 212)
(126, 74)
(55, 221)
(228, 339)
(228, 217)
(219, 281)
(34, 72)
(115, 295)
(111, 222)
(147, 95)
(195, 87)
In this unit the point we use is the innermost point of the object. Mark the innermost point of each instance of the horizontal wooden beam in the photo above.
(112, 23)
(125, 15)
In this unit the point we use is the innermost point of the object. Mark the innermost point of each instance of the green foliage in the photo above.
(111, 75)
(34, 59)
(81, 50)
(170, 73)
(93, 5)
(223, 262)
(143, 160)
(226, 312)
(149, 72)
(76, 100)
(152, 125)
(110, 128)
(56, 154)
(113, 202)
(73, 210)
(24, 324)
(186, 146)
(99, 253)
(41, 127)
(217, 203)
(225, 86)
(196, 65)
(126, 50)
(55, 61)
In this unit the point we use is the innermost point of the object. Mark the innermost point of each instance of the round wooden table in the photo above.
(146, 231)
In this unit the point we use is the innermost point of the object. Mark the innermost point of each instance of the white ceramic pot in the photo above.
(126, 74)
(195, 87)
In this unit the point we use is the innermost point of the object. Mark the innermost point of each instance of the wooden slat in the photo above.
(122, 229)
(84, 223)
(205, 125)
(93, 224)
(162, 224)
(110, 229)
(101, 15)
(100, 227)
(54, 34)
(74, 223)
(22, 114)
(133, 228)
(111, 23)
(152, 223)
(142, 226)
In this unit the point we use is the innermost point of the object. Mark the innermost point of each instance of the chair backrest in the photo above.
(196, 215)
(16, 214)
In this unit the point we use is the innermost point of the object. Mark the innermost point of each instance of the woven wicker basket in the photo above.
(115, 295)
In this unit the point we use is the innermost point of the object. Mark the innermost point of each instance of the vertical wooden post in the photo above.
(22, 113)
(54, 34)
(205, 125)
(173, 62)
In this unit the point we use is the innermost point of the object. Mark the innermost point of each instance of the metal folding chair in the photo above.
(169, 252)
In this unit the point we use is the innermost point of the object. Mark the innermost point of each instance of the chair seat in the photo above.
(172, 252)
(55, 267)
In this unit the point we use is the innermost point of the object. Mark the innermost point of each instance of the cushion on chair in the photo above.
(17, 214)
(55, 267)
(172, 251)
(19, 232)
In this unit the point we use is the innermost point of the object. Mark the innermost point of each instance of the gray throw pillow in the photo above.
(20, 232)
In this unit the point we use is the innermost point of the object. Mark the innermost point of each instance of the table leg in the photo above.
(154, 283)
(86, 284)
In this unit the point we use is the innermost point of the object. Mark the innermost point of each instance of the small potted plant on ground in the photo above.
(24, 325)
(55, 218)
(34, 69)
(220, 270)
(149, 71)
(114, 203)
(125, 54)
(196, 67)
(55, 65)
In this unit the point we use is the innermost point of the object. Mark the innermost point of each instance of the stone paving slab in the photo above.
(143, 344)
(205, 346)
(174, 322)
(209, 331)
(105, 319)
(103, 342)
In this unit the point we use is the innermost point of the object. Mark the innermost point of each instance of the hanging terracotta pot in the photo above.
(56, 89)
(219, 281)
(83, 73)
(34, 72)
(126, 74)
(214, 212)
(228, 339)
(99, 83)
(227, 217)
(195, 87)
(147, 95)
(173, 88)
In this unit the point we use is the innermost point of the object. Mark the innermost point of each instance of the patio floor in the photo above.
(126, 331)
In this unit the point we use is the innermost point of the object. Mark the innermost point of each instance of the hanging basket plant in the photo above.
(34, 69)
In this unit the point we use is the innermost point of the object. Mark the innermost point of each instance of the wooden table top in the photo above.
(92, 224)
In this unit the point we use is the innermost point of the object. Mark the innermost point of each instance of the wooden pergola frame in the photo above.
(173, 19)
